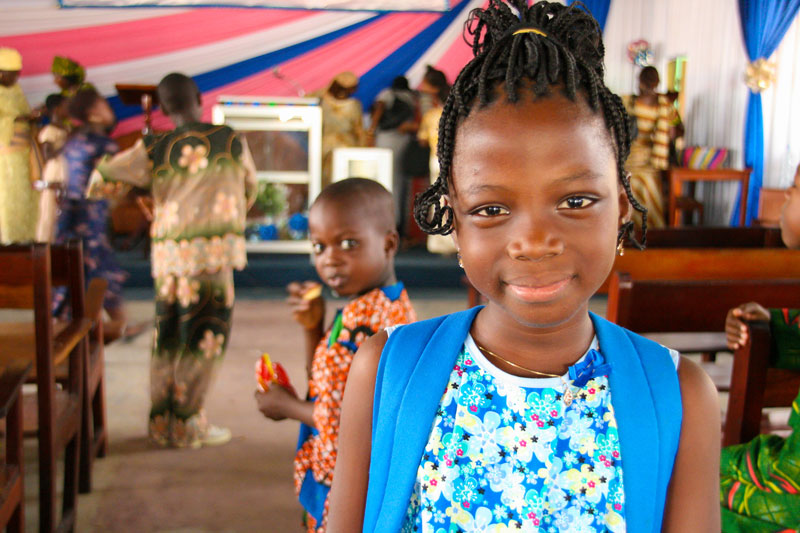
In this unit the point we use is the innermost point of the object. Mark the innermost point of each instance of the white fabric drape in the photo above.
(781, 105)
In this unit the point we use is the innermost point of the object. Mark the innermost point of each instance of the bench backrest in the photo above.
(647, 306)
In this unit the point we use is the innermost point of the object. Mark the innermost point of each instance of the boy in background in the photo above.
(354, 239)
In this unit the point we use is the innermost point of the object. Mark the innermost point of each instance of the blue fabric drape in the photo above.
(598, 9)
(764, 23)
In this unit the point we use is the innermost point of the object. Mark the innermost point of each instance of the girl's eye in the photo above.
(491, 211)
(317, 248)
(576, 202)
(349, 244)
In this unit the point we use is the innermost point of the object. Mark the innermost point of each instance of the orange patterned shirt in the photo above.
(361, 318)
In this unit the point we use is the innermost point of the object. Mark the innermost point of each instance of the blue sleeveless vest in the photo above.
(412, 375)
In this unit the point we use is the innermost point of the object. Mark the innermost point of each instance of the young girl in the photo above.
(530, 413)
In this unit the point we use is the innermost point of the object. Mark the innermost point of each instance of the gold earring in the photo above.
(620, 248)
(460, 262)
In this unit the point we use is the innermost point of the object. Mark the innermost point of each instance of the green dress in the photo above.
(19, 203)
(202, 180)
(760, 480)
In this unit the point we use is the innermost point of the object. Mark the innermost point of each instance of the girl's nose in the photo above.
(534, 240)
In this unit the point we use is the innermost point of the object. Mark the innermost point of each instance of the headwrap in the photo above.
(64, 66)
(10, 60)
(345, 80)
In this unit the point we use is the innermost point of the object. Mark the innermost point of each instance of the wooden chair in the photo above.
(691, 307)
(68, 258)
(12, 493)
(677, 176)
(26, 280)
(755, 385)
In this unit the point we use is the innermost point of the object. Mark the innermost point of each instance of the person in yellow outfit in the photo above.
(19, 202)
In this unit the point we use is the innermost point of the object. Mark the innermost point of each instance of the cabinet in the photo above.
(285, 138)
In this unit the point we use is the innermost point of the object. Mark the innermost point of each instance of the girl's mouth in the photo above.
(538, 292)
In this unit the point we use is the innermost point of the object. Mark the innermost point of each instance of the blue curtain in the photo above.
(764, 23)
(598, 9)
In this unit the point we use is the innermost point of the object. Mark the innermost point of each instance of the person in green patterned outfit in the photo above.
(760, 490)
(202, 180)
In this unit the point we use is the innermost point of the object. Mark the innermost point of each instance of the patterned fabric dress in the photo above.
(316, 454)
(87, 219)
(649, 156)
(202, 180)
(760, 480)
(18, 201)
(506, 454)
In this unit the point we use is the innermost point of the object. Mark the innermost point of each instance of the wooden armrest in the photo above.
(65, 341)
(11, 379)
(94, 298)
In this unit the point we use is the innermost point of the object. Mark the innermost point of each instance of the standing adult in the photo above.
(18, 201)
(342, 123)
(394, 117)
(655, 119)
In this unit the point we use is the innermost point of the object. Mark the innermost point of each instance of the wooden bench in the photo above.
(691, 306)
(708, 264)
(707, 237)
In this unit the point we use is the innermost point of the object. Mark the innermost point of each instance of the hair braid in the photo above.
(565, 49)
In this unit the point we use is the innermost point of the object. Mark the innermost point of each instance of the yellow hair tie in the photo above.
(530, 30)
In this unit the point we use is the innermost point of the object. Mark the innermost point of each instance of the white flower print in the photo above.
(225, 206)
(211, 344)
(188, 291)
(193, 159)
(166, 290)
(169, 216)
(485, 438)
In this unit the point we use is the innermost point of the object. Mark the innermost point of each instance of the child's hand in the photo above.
(735, 328)
(308, 308)
(275, 402)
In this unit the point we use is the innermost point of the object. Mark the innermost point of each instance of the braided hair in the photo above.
(536, 47)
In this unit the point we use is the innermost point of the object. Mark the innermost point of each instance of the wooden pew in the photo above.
(691, 306)
(707, 237)
(708, 264)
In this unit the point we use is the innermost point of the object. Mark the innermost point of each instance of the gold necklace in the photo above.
(567, 397)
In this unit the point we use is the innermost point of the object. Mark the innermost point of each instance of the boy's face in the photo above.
(537, 206)
(790, 214)
(352, 254)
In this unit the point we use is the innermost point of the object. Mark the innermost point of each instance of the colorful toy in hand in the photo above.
(268, 373)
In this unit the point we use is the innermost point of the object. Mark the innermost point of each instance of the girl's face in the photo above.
(790, 214)
(537, 206)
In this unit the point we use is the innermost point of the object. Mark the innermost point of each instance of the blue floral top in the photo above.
(506, 454)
